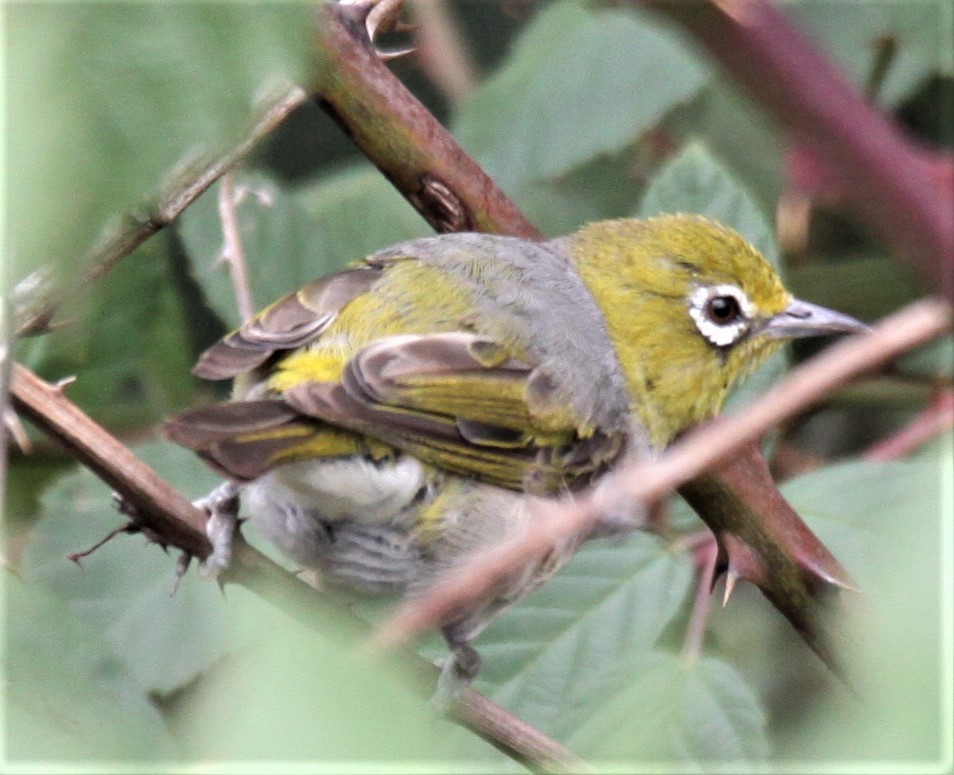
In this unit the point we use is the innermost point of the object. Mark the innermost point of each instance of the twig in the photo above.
(175, 518)
(860, 150)
(698, 450)
(123, 236)
(936, 419)
(708, 553)
(232, 253)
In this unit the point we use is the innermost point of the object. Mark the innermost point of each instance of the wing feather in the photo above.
(290, 322)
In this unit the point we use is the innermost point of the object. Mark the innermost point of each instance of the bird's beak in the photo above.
(800, 319)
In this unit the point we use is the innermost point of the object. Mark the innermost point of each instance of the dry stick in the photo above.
(232, 253)
(888, 182)
(188, 183)
(696, 629)
(164, 511)
(699, 450)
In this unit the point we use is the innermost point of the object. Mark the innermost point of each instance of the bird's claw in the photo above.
(458, 670)
(222, 505)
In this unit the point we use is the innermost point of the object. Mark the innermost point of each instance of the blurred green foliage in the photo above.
(582, 114)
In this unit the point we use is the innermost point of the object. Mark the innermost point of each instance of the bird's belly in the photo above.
(348, 518)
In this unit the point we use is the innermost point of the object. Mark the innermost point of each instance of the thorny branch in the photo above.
(122, 237)
(402, 138)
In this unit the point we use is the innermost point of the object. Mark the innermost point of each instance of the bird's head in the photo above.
(692, 308)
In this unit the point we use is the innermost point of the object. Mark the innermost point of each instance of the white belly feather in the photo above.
(344, 517)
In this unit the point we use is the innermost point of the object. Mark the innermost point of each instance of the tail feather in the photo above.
(244, 439)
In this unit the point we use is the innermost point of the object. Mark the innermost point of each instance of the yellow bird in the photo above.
(393, 418)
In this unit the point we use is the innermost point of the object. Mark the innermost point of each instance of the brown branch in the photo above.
(401, 137)
(127, 233)
(889, 183)
(232, 253)
(167, 514)
(171, 515)
(698, 450)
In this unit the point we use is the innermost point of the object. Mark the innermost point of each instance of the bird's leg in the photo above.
(222, 506)
(458, 669)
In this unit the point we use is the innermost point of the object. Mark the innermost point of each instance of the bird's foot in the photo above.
(222, 505)
(458, 670)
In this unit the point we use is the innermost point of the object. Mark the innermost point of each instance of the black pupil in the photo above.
(723, 309)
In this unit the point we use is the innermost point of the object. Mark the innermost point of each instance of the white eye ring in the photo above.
(722, 313)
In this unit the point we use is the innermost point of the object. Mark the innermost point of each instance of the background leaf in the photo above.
(140, 87)
(573, 89)
(663, 707)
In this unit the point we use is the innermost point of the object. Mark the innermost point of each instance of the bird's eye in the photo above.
(723, 314)
(723, 309)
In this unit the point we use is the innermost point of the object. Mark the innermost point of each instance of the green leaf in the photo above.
(292, 695)
(735, 130)
(611, 601)
(106, 99)
(866, 286)
(123, 589)
(67, 698)
(694, 182)
(921, 32)
(581, 82)
(359, 212)
(126, 343)
(282, 246)
(891, 526)
(662, 707)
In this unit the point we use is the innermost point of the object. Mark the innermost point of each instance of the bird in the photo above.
(390, 420)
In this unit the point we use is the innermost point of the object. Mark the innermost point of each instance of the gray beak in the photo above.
(800, 319)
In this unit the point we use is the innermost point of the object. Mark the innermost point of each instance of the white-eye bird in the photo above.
(393, 418)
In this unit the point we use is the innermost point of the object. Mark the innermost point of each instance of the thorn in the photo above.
(61, 384)
(730, 578)
(383, 16)
(12, 420)
(743, 561)
(123, 505)
(182, 566)
(78, 556)
(387, 56)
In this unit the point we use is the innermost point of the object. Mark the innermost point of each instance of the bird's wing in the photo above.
(290, 322)
(456, 400)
